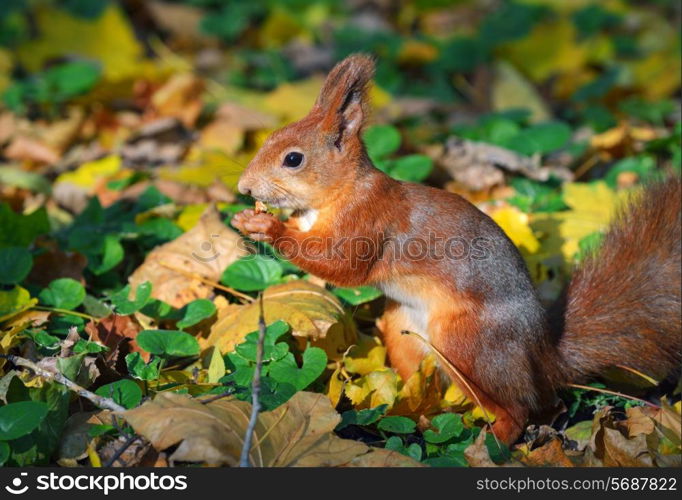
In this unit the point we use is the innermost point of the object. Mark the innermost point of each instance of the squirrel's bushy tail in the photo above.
(622, 306)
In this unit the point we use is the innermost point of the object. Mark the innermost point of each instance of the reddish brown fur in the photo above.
(483, 315)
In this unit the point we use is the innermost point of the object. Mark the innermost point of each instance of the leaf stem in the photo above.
(66, 311)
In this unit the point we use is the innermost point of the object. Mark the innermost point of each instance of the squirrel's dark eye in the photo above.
(293, 160)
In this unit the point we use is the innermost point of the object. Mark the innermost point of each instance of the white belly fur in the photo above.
(413, 307)
(306, 220)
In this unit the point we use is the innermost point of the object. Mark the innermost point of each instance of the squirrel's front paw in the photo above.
(258, 226)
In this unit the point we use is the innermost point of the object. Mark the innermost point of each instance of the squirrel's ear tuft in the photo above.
(343, 98)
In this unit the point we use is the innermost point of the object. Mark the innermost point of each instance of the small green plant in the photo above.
(382, 142)
(281, 376)
(47, 91)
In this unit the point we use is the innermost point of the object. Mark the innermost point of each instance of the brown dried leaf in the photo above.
(623, 452)
(180, 97)
(116, 332)
(205, 250)
(298, 433)
(551, 454)
(477, 453)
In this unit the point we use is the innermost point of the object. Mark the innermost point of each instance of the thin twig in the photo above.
(613, 393)
(100, 401)
(208, 282)
(639, 374)
(120, 451)
(216, 397)
(255, 389)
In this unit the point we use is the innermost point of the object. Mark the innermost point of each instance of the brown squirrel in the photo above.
(354, 225)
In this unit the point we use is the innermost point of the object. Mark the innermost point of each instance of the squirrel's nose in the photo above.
(243, 187)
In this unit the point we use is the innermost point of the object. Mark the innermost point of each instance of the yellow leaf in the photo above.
(190, 214)
(88, 173)
(510, 88)
(595, 202)
(14, 301)
(292, 101)
(417, 52)
(336, 386)
(108, 39)
(383, 387)
(565, 54)
(421, 393)
(279, 28)
(5, 69)
(367, 356)
(203, 166)
(515, 224)
(216, 367)
(312, 312)
(593, 205)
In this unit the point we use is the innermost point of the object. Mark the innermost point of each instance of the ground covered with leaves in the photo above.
(129, 306)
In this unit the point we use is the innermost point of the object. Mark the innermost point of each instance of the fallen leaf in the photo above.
(180, 97)
(205, 250)
(298, 433)
(314, 314)
(551, 454)
(116, 332)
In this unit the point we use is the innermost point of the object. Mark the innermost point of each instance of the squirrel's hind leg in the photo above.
(404, 351)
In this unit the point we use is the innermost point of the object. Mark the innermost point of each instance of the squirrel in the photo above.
(450, 273)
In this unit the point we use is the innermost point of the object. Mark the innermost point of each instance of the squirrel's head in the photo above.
(302, 164)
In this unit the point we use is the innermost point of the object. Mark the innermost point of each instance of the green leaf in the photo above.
(394, 443)
(252, 273)
(499, 452)
(447, 461)
(381, 141)
(32, 181)
(4, 453)
(168, 343)
(88, 347)
(642, 165)
(96, 307)
(412, 168)
(448, 425)
(139, 369)
(540, 138)
(286, 369)
(63, 293)
(357, 295)
(43, 339)
(125, 392)
(534, 196)
(362, 417)
(39, 446)
(272, 350)
(397, 424)
(20, 419)
(109, 255)
(196, 311)
(125, 306)
(15, 264)
(20, 230)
